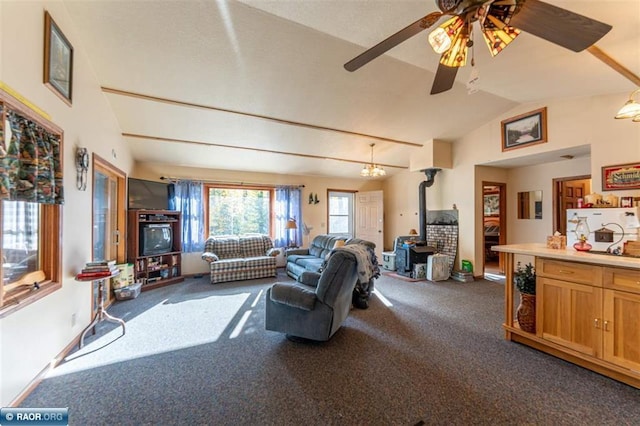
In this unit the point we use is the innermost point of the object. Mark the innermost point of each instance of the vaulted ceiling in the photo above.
(259, 85)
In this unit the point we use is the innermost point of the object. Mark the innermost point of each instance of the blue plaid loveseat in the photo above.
(244, 257)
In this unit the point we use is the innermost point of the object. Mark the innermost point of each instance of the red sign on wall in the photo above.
(622, 176)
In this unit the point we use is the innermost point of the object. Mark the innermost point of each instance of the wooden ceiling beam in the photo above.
(269, 151)
(621, 69)
(251, 115)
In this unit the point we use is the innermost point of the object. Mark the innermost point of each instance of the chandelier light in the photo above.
(371, 169)
(631, 109)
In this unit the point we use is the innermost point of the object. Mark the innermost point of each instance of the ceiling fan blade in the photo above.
(560, 26)
(393, 41)
(444, 79)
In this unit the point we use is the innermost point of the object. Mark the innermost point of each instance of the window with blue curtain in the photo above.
(288, 207)
(186, 197)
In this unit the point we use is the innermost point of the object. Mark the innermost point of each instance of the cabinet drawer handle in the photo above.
(562, 271)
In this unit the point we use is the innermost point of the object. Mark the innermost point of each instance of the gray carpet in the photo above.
(196, 353)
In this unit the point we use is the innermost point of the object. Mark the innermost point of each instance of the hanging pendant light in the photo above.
(371, 169)
(631, 109)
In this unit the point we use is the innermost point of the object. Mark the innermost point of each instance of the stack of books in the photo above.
(99, 269)
(462, 276)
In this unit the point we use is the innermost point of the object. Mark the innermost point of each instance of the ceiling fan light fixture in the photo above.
(497, 39)
(458, 30)
(439, 40)
(631, 109)
(457, 55)
(494, 24)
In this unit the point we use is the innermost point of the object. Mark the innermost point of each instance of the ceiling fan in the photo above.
(500, 22)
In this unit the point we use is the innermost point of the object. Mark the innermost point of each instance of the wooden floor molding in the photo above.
(43, 373)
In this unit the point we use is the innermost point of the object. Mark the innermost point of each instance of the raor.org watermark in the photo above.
(34, 416)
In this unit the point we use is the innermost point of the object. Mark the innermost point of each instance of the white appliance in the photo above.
(609, 228)
(438, 267)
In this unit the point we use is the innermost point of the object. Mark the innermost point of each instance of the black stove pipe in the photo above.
(422, 200)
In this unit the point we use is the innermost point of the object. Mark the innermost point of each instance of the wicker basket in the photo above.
(526, 313)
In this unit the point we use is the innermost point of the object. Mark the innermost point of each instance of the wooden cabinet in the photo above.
(587, 308)
(621, 317)
(567, 314)
(154, 247)
(591, 310)
(582, 273)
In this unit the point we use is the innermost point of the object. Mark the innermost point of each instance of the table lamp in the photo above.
(291, 224)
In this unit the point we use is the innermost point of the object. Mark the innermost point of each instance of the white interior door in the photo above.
(370, 218)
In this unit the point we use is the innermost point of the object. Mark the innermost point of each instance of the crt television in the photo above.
(156, 238)
(148, 194)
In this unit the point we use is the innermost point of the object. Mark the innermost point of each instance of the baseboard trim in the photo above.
(42, 374)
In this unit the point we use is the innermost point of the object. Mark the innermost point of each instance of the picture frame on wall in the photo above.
(621, 176)
(491, 204)
(524, 130)
(58, 60)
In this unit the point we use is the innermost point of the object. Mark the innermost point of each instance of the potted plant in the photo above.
(525, 281)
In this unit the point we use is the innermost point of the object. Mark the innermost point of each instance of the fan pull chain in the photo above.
(472, 84)
(473, 49)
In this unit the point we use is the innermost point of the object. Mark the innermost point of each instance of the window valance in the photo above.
(30, 158)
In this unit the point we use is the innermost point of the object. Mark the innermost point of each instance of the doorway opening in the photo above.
(109, 219)
(494, 227)
(566, 193)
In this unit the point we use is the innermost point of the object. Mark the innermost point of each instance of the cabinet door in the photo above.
(621, 322)
(569, 315)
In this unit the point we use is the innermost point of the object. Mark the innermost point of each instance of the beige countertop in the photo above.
(569, 254)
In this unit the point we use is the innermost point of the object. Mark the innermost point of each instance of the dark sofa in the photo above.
(315, 307)
(313, 259)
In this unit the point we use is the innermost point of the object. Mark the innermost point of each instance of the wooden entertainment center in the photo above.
(161, 268)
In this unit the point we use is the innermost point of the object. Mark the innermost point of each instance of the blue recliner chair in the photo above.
(315, 307)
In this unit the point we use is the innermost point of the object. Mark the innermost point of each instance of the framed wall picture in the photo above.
(58, 60)
(491, 204)
(524, 130)
(621, 176)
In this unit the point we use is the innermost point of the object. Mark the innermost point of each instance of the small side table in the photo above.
(102, 314)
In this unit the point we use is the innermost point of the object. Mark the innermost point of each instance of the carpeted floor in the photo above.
(401, 277)
(196, 353)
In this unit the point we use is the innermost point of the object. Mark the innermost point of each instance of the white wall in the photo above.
(33, 336)
(314, 215)
(535, 178)
(571, 123)
(401, 205)
(402, 208)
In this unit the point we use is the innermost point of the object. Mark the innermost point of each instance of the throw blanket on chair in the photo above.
(367, 261)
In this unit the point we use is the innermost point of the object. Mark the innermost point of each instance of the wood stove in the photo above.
(406, 257)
